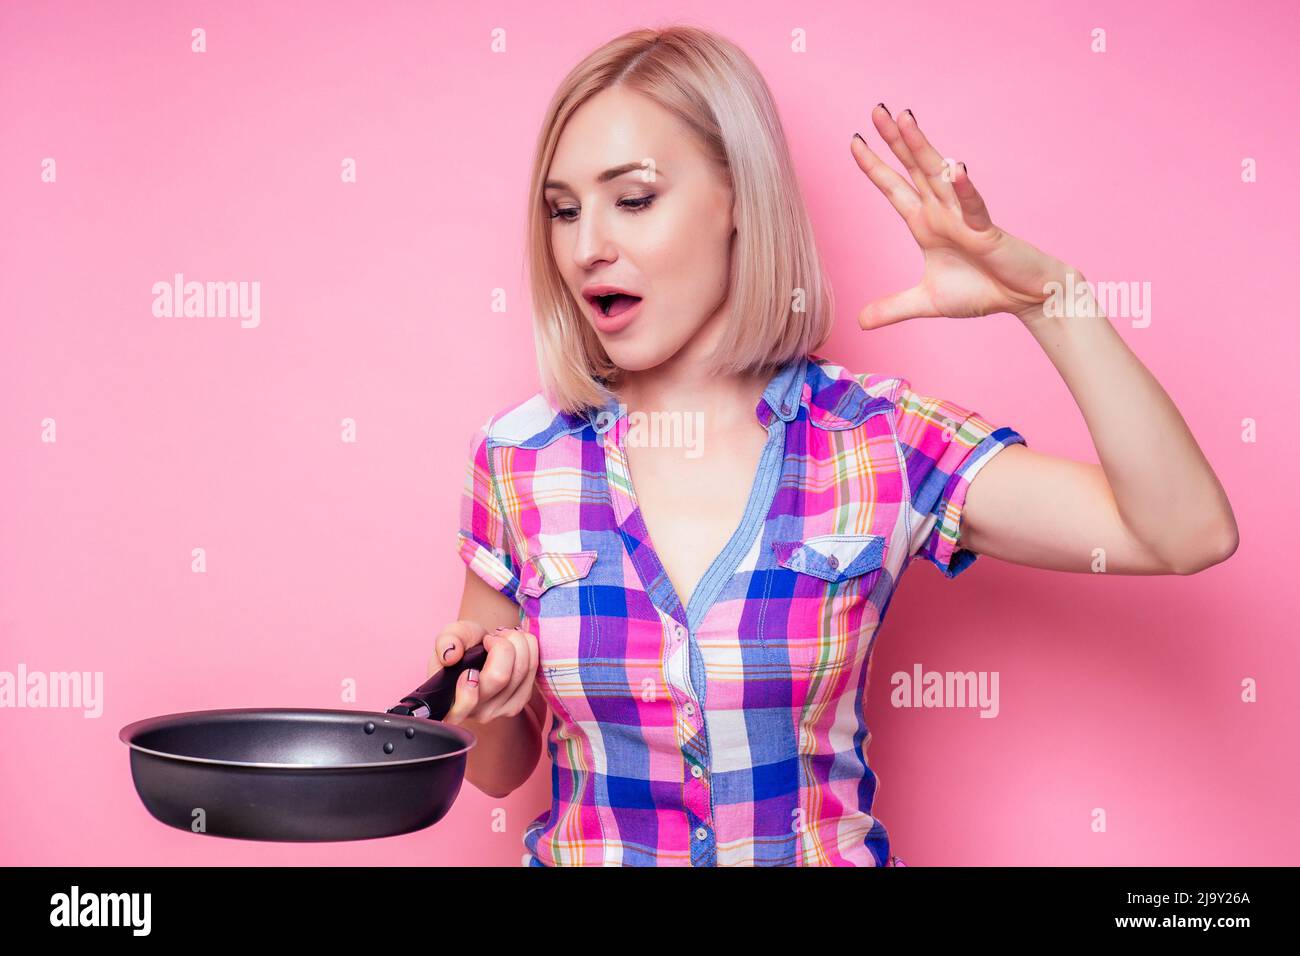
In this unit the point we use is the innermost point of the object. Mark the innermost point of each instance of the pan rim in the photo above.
(129, 730)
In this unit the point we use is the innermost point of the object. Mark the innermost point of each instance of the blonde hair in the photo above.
(715, 90)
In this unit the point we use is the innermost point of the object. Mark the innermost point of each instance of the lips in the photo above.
(610, 300)
(613, 311)
(616, 303)
(612, 307)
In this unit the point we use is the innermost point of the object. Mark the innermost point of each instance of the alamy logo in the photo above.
(1089, 299)
(58, 689)
(208, 300)
(922, 688)
(659, 429)
(102, 909)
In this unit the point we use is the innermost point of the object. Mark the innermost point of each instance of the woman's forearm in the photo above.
(506, 754)
(1164, 488)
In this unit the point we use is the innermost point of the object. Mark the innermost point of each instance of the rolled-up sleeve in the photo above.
(944, 446)
(483, 541)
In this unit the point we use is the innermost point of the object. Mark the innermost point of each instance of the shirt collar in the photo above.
(781, 398)
(784, 392)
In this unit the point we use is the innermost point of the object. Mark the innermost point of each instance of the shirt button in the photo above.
(701, 833)
(696, 771)
(679, 632)
(690, 708)
(785, 408)
(833, 561)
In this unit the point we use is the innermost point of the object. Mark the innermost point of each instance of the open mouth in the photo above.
(615, 303)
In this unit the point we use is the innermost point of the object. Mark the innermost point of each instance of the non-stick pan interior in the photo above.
(305, 738)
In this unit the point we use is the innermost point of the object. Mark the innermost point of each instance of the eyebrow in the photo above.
(611, 173)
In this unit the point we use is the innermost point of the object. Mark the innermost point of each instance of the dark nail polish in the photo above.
(450, 648)
(859, 136)
(911, 114)
(886, 107)
(964, 169)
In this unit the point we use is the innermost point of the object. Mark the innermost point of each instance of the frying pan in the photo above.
(306, 775)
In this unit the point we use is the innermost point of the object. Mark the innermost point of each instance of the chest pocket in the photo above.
(833, 557)
(831, 595)
(544, 571)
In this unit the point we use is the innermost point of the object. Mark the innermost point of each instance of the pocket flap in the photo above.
(832, 557)
(549, 568)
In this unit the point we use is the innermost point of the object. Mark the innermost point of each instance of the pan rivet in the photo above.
(410, 732)
(370, 726)
(388, 747)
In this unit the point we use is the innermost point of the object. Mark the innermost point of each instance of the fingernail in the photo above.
(859, 136)
(450, 648)
(502, 628)
(964, 169)
(911, 114)
(886, 107)
(471, 677)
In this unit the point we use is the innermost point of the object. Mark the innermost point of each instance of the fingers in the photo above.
(932, 174)
(897, 190)
(508, 665)
(911, 303)
(466, 699)
(503, 684)
(929, 158)
(891, 134)
(449, 645)
(523, 691)
(973, 209)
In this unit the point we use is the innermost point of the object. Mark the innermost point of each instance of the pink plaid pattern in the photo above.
(730, 731)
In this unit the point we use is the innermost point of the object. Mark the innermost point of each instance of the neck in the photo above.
(684, 382)
(722, 399)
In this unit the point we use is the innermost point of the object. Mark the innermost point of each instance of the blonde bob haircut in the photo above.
(781, 300)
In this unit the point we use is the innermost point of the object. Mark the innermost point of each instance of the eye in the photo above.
(638, 203)
(632, 204)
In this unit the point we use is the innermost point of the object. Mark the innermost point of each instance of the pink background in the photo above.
(330, 561)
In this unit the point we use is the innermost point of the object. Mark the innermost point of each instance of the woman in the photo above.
(702, 633)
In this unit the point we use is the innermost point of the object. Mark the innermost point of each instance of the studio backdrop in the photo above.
(255, 504)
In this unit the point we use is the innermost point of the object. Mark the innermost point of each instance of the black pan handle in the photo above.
(433, 698)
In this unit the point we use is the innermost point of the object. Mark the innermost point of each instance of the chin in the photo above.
(653, 345)
(635, 356)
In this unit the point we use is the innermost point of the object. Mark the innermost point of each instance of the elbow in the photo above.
(1225, 546)
(496, 793)
(1230, 541)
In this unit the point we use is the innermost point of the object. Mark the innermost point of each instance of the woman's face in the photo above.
(660, 229)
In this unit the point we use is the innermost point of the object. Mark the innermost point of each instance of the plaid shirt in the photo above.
(731, 731)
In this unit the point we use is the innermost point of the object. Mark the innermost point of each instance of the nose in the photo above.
(593, 243)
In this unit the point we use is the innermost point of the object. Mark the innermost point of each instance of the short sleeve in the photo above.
(944, 447)
(482, 539)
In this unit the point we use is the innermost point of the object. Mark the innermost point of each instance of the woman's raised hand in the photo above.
(971, 266)
(504, 685)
